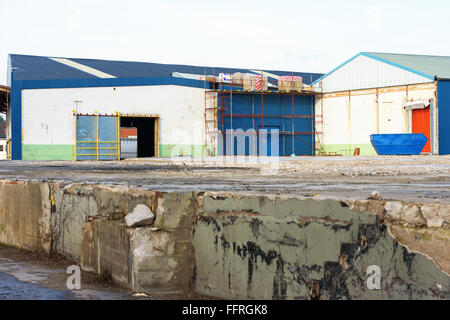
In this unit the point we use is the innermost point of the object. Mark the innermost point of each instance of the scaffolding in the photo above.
(319, 121)
(211, 122)
(219, 105)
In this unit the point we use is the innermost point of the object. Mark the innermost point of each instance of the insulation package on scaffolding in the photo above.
(238, 78)
(210, 79)
(290, 83)
(249, 82)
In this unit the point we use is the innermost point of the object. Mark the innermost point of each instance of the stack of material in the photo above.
(210, 79)
(290, 83)
(249, 83)
(238, 78)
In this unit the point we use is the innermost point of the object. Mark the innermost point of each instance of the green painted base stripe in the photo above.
(47, 152)
(347, 150)
(174, 150)
(65, 152)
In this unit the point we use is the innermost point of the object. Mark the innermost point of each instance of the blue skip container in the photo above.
(398, 143)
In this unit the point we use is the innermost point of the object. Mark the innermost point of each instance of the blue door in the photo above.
(108, 146)
(96, 137)
(86, 148)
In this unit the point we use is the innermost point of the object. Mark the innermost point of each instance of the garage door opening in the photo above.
(146, 129)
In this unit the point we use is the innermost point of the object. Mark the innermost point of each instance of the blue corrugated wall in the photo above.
(444, 116)
(265, 111)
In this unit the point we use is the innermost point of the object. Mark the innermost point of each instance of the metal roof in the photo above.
(27, 67)
(438, 66)
(422, 65)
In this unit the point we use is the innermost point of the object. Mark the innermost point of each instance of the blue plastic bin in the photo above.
(398, 143)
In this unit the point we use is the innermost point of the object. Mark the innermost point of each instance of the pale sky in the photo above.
(297, 35)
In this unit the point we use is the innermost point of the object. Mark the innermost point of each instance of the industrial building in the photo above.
(374, 93)
(74, 109)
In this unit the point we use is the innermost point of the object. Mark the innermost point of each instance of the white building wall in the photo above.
(3, 154)
(8, 123)
(47, 116)
(392, 117)
(363, 118)
(364, 72)
(335, 120)
(350, 117)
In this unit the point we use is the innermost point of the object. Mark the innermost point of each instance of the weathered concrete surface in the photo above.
(25, 215)
(163, 256)
(275, 248)
(235, 245)
(57, 217)
(433, 242)
(154, 259)
(77, 203)
(407, 213)
(106, 250)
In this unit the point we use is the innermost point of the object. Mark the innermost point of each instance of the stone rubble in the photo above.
(141, 216)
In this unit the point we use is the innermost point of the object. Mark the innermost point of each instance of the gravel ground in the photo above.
(420, 178)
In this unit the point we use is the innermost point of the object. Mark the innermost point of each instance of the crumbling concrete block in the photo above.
(407, 214)
(394, 209)
(434, 213)
(140, 259)
(412, 217)
(25, 215)
(106, 250)
(140, 216)
(374, 196)
(435, 223)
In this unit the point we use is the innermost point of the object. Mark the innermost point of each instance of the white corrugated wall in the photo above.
(364, 72)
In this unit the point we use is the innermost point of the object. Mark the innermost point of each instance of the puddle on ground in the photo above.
(19, 281)
(13, 289)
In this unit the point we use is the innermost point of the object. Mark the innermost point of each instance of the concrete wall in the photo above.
(85, 224)
(153, 260)
(278, 248)
(181, 112)
(350, 117)
(234, 246)
(25, 224)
